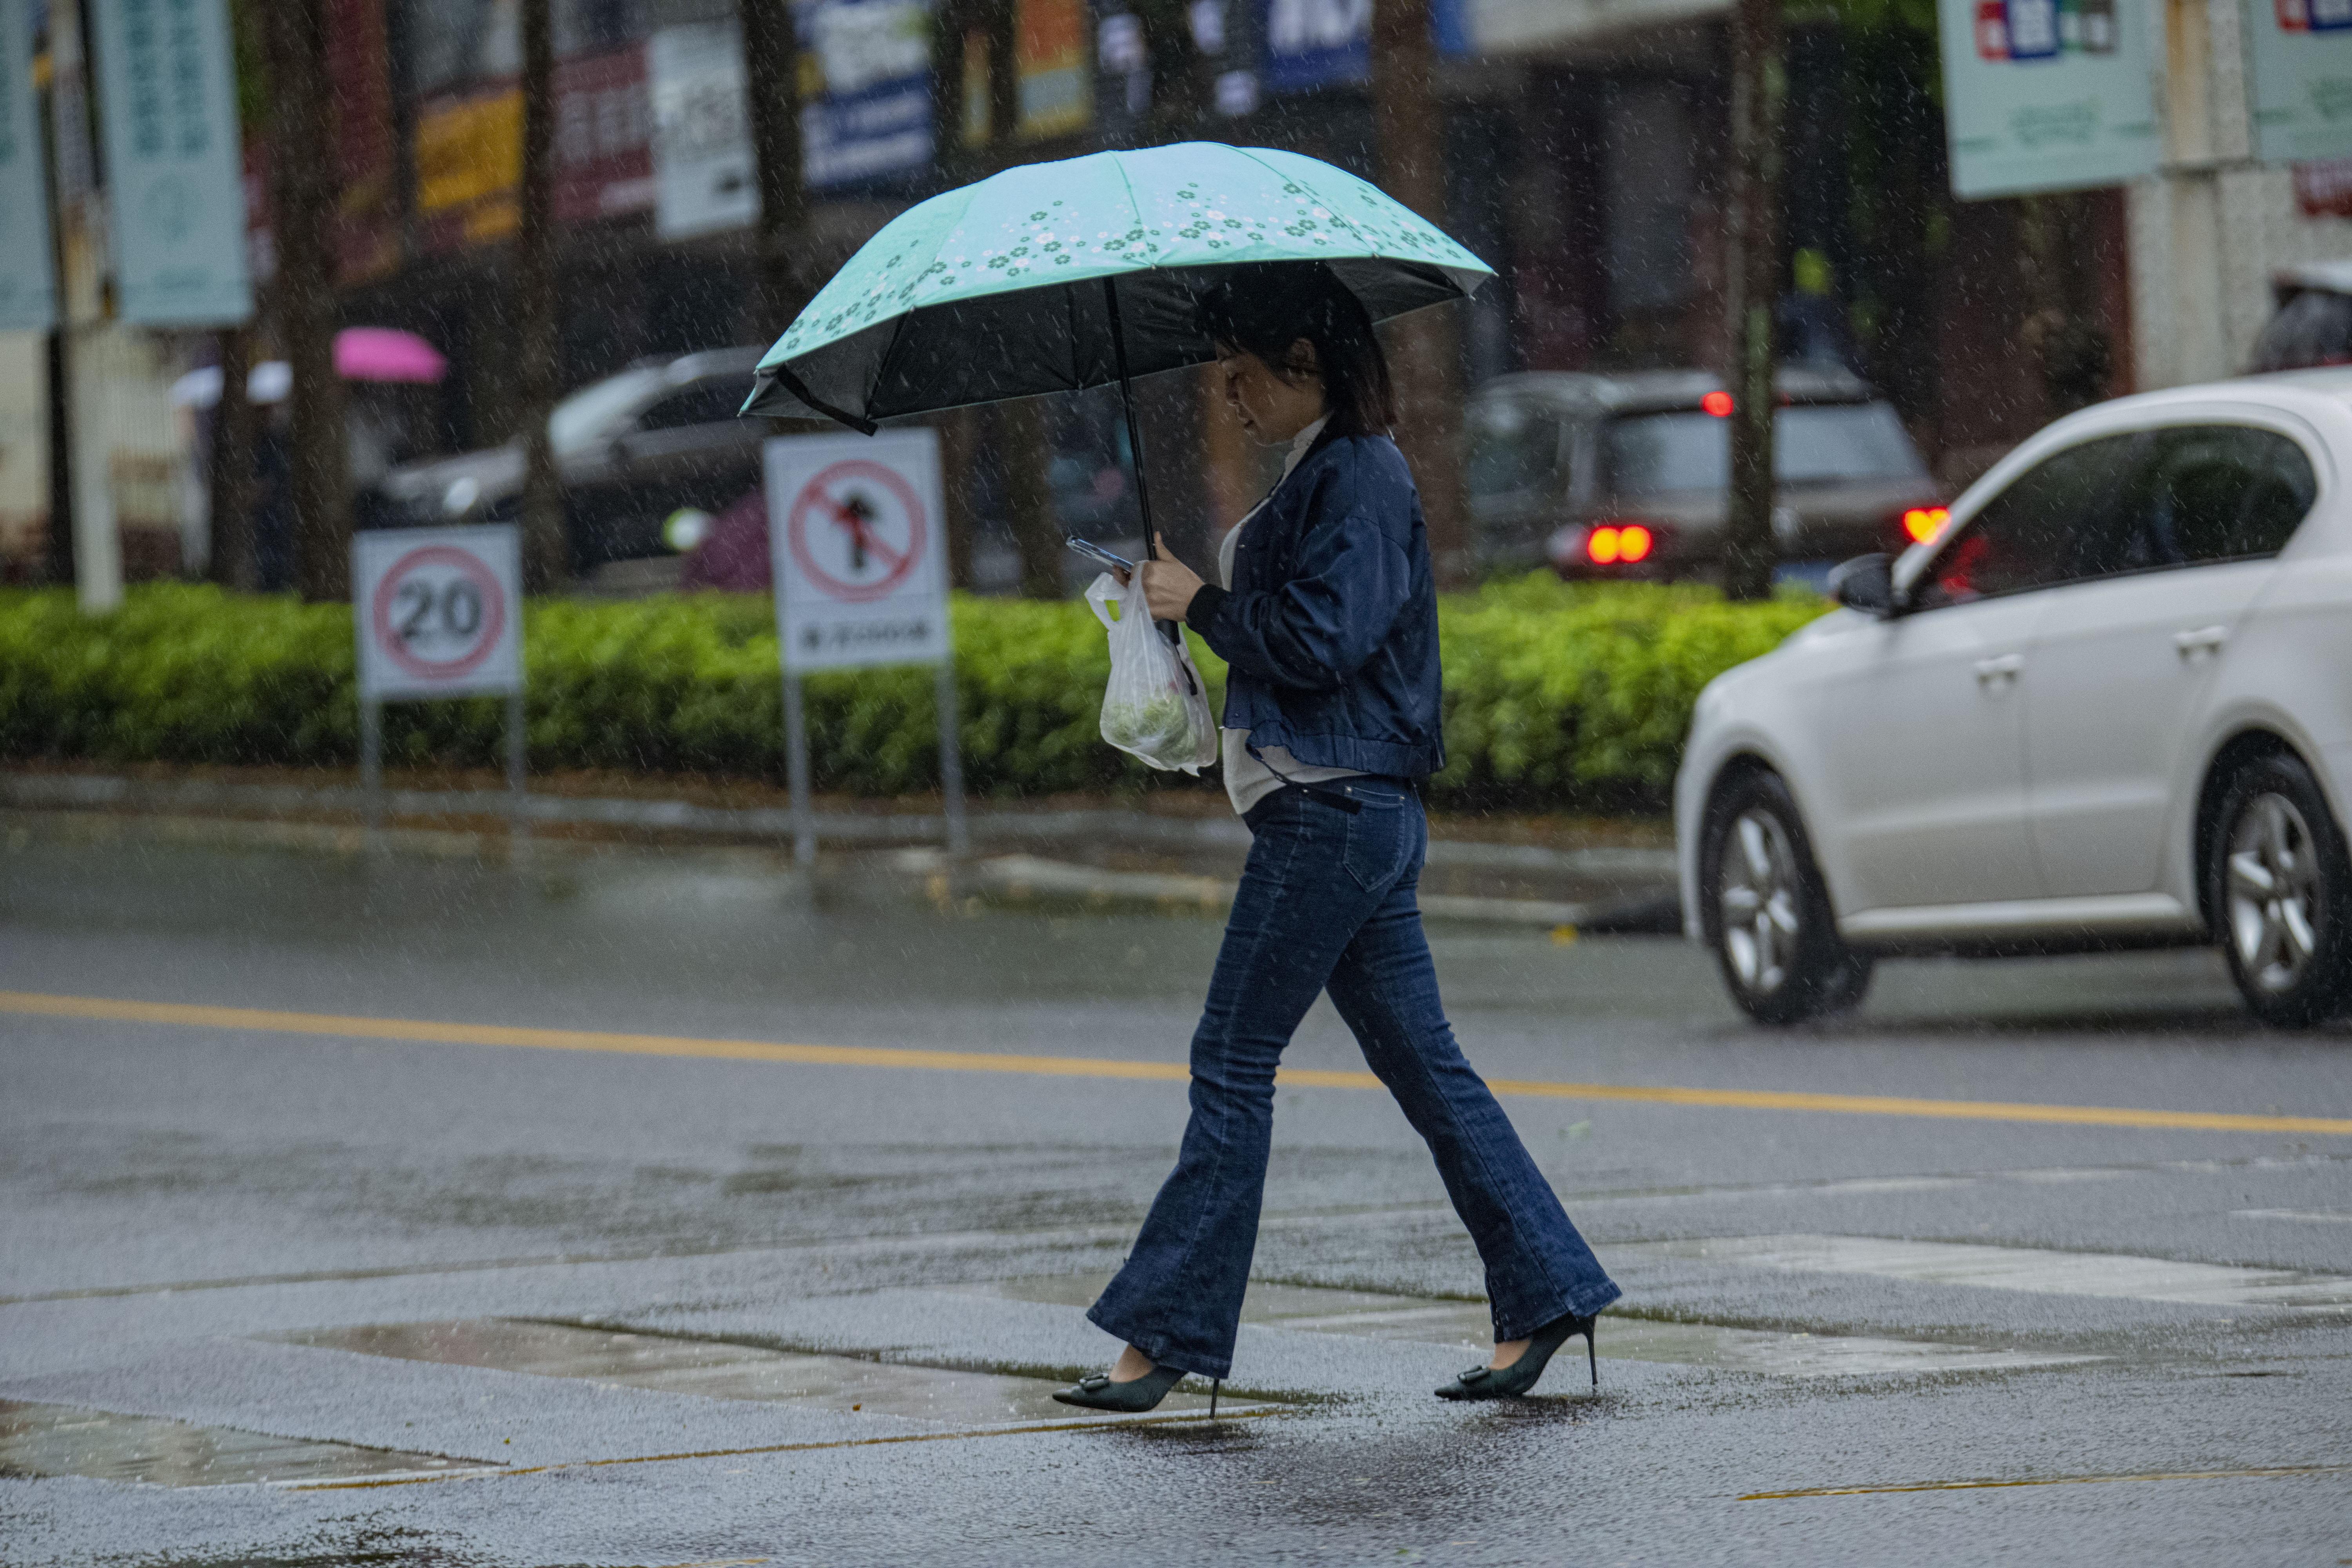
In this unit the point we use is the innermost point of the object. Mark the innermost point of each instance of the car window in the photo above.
(2057, 522)
(1513, 448)
(1812, 444)
(2214, 492)
(704, 403)
(591, 411)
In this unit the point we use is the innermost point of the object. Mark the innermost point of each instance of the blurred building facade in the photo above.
(1586, 154)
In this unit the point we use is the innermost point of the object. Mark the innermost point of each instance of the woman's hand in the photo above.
(1168, 584)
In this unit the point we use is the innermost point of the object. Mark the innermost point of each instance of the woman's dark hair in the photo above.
(1265, 307)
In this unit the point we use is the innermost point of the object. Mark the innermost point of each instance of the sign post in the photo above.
(854, 527)
(438, 612)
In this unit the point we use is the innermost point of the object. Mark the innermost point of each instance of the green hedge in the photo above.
(1555, 695)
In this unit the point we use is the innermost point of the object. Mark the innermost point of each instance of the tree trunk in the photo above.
(232, 564)
(1028, 431)
(303, 177)
(1409, 128)
(1752, 277)
(546, 544)
(1029, 498)
(772, 71)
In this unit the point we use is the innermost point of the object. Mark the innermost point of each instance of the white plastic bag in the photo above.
(1155, 707)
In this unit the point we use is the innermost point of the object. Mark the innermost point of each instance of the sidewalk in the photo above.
(1095, 856)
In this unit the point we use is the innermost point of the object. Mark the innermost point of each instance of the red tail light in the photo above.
(1619, 542)
(1717, 404)
(1921, 523)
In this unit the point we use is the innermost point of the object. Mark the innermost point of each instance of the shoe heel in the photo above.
(1591, 1352)
(1216, 1386)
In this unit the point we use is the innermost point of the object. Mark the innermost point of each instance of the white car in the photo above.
(2108, 704)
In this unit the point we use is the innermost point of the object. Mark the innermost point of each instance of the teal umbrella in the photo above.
(1057, 277)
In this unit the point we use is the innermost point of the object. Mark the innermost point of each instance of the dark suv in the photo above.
(631, 450)
(1626, 476)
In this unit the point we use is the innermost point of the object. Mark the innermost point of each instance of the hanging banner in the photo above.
(175, 191)
(704, 177)
(2047, 95)
(866, 83)
(29, 289)
(2300, 52)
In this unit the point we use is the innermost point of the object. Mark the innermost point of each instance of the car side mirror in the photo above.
(1865, 583)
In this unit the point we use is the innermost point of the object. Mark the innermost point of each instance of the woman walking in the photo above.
(1328, 617)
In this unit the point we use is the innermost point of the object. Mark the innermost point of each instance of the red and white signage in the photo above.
(855, 527)
(438, 611)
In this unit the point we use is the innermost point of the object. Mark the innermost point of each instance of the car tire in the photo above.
(1766, 910)
(2280, 889)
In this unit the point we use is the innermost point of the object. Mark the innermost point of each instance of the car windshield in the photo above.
(580, 419)
(1813, 444)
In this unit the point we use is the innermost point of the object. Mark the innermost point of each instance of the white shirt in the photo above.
(1249, 779)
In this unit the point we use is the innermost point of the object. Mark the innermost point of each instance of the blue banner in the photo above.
(175, 190)
(873, 115)
(1314, 44)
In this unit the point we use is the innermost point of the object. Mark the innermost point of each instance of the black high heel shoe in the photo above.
(1132, 1397)
(1509, 1382)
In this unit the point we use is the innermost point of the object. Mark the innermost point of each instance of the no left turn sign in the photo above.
(437, 610)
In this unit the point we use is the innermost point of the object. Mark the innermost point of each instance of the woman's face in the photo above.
(1272, 407)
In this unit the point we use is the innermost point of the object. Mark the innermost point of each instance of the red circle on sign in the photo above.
(494, 612)
(813, 494)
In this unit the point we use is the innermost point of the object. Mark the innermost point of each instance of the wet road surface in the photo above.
(417, 1210)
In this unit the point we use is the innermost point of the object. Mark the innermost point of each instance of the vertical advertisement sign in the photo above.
(2047, 95)
(28, 291)
(2301, 55)
(1312, 44)
(176, 192)
(1057, 93)
(867, 106)
(704, 180)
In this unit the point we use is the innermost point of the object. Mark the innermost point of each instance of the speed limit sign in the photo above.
(437, 611)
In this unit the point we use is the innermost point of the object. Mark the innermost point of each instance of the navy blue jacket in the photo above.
(1330, 628)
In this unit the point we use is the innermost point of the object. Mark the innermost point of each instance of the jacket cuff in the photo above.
(1203, 608)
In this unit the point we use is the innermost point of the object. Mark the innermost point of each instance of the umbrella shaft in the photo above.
(1134, 430)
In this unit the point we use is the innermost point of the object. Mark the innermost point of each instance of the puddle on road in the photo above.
(2042, 1270)
(66, 1440)
(717, 1370)
(1373, 1315)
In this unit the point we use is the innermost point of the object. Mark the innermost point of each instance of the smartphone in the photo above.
(1093, 552)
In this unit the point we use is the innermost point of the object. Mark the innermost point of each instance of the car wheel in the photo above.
(2280, 885)
(1766, 911)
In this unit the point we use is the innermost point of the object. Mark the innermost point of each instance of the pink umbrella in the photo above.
(380, 354)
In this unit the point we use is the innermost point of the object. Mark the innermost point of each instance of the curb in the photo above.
(79, 791)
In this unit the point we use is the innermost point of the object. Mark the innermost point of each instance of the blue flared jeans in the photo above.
(1327, 903)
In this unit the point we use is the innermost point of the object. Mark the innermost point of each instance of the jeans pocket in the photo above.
(1380, 838)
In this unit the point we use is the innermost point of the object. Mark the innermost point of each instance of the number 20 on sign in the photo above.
(437, 611)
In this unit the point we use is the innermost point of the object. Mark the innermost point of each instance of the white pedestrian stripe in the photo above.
(2316, 1216)
(2042, 1270)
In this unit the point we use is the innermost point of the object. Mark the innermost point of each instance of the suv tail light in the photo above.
(1613, 542)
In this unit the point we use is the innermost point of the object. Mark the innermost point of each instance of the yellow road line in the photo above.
(1097, 1424)
(192, 1016)
(2249, 1474)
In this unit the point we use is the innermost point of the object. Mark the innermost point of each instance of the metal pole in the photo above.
(951, 758)
(372, 767)
(518, 760)
(796, 771)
